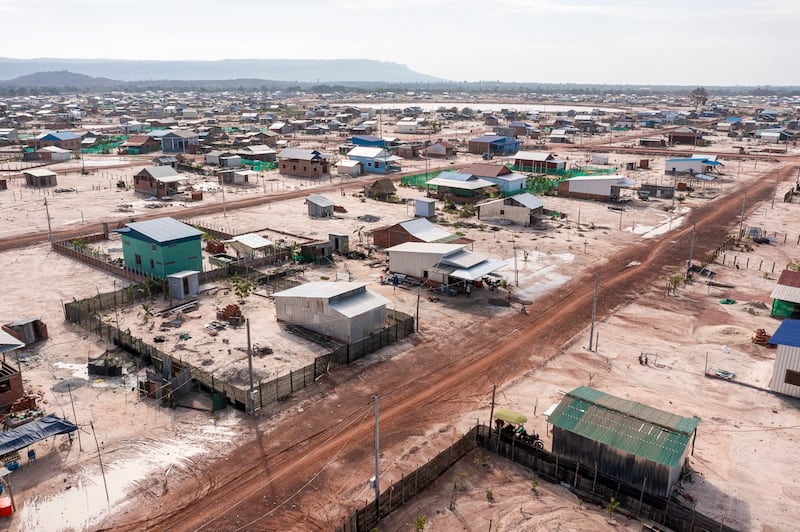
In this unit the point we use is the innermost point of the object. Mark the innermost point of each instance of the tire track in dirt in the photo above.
(262, 486)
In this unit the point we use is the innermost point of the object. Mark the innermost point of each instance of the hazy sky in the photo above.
(685, 42)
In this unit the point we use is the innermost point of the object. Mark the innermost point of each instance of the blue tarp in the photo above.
(30, 433)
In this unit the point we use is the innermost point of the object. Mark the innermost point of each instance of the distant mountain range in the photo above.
(295, 70)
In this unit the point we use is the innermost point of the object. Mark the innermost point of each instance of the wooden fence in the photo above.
(583, 480)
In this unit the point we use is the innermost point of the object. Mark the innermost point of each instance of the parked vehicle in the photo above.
(511, 426)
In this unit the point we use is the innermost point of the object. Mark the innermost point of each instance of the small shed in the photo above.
(39, 177)
(319, 206)
(424, 207)
(317, 251)
(250, 244)
(786, 295)
(184, 284)
(524, 209)
(349, 167)
(640, 445)
(340, 241)
(380, 189)
(599, 158)
(28, 330)
(658, 191)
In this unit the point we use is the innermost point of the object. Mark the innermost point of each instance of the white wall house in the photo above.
(342, 310)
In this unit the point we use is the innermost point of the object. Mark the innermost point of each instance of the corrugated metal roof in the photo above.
(471, 273)
(472, 184)
(163, 229)
(528, 200)
(788, 287)
(423, 229)
(456, 176)
(359, 303)
(628, 426)
(491, 139)
(533, 156)
(463, 259)
(39, 172)
(251, 240)
(321, 289)
(160, 172)
(8, 342)
(368, 152)
(302, 155)
(788, 333)
(320, 201)
(425, 247)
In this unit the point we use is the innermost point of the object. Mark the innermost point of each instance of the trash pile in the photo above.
(762, 338)
(232, 314)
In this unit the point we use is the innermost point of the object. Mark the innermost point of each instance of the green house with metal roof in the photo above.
(637, 444)
(157, 248)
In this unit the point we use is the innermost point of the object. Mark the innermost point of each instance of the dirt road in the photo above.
(298, 477)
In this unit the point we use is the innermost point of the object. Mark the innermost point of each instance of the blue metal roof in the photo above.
(787, 334)
(491, 139)
(456, 176)
(162, 230)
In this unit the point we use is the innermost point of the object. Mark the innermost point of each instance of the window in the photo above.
(152, 247)
(792, 377)
(377, 164)
(152, 264)
(5, 386)
(502, 211)
(137, 259)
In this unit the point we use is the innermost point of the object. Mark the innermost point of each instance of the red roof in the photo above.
(789, 278)
(486, 170)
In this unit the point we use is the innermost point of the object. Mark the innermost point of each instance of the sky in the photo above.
(644, 42)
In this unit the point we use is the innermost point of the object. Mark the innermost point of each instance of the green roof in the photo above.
(625, 425)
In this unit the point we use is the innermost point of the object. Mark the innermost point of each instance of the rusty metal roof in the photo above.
(625, 425)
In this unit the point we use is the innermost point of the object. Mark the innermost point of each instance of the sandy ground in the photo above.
(741, 442)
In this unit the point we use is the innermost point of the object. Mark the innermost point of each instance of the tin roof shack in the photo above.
(342, 310)
(417, 230)
(686, 135)
(184, 284)
(249, 245)
(786, 374)
(690, 165)
(441, 149)
(39, 177)
(462, 188)
(653, 190)
(786, 296)
(302, 163)
(493, 145)
(597, 187)
(319, 206)
(652, 142)
(532, 161)
(29, 330)
(375, 160)
(502, 176)
(158, 181)
(625, 439)
(11, 387)
(380, 190)
(160, 247)
(524, 209)
(442, 263)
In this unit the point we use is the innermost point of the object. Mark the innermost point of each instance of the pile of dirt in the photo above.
(723, 334)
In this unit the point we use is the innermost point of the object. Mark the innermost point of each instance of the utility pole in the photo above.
(377, 483)
(741, 223)
(775, 192)
(594, 309)
(74, 415)
(102, 469)
(691, 247)
(49, 227)
(491, 412)
(250, 368)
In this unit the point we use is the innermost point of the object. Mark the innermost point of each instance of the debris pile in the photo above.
(762, 338)
(215, 246)
(232, 314)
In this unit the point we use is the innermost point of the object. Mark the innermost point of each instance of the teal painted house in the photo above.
(160, 247)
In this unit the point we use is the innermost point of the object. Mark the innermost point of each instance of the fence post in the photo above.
(577, 469)
(594, 482)
(641, 496)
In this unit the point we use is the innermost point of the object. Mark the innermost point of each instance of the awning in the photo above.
(473, 273)
(8, 342)
(30, 433)
(705, 177)
(509, 416)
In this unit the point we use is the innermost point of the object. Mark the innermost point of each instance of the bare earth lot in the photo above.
(302, 463)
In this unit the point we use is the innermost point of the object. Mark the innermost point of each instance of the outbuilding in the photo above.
(441, 263)
(493, 145)
(184, 284)
(158, 181)
(346, 311)
(786, 295)
(463, 188)
(319, 206)
(596, 187)
(786, 374)
(641, 446)
(524, 209)
(417, 230)
(39, 177)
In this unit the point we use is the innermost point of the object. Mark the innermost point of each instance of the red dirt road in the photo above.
(297, 477)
